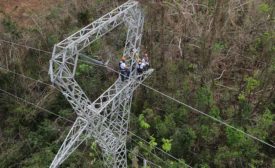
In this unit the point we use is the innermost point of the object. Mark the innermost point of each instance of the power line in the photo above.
(50, 112)
(175, 100)
(142, 157)
(70, 120)
(168, 154)
(190, 107)
(25, 46)
(38, 107)
(213, 118)
(39, 81)
(178, 160)
(147, 149)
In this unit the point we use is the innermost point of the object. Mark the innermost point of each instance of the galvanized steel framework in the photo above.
(105, 119)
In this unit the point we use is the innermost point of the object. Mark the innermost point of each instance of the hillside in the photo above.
(215, 56)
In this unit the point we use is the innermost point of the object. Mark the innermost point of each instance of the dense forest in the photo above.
(217, 56)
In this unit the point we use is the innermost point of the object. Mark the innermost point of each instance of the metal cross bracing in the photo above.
(106, 119)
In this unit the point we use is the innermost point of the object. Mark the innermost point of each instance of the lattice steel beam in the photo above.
(106, 119)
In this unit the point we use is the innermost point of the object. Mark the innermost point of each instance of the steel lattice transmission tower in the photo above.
(105, 119)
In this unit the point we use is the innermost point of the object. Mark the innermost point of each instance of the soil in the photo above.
(22, 11)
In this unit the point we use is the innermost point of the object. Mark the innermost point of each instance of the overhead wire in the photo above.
(151, 88)
(147, 150)
(25, 46)
(48, 111)
(27, 77)
(71, 120)
(159, 149)
(188, 106)
(36, 106)
(168, 154)
(142, 157)
(171, 98)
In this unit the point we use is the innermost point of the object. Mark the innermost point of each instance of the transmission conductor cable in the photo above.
(39, 81)
(192, 108)
(158, 149)
(72, 121)
(50, 112)
(25, 46)
(171, 98)
(38, 107)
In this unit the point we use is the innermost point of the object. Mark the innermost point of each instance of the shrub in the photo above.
(264, 8)
(142, 122)
(166, 146)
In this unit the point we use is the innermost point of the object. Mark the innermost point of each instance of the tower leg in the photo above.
(116, 156)
(75, 137)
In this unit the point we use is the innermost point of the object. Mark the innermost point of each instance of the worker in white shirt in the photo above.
(124, 70)
(140, 67)
(145, 61)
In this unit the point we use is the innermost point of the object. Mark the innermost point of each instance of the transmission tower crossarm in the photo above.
(106, 119)
(96, 29)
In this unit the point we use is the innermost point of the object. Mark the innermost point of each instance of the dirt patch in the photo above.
(22, 11)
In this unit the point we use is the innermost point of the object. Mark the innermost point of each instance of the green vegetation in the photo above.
(265, 8)
(216, 56)
(11, 27)
(142, 122)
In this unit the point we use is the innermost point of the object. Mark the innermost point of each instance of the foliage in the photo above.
(208, 133)
(204, 166)
(234, 138)
(54, 13)
(218, 47)
(165, 127)
(83, 17)
(83, 69)
(152, 143)
(264, 8)
(263, 124)
(167, 145)
(241, 97)
(142, 122)
(52, 39)
(187, 47)
(179, 164)
(251, 84)
(215, 112)
(11, 27)
(204, 97)
(224, 155)
(94, 155)
(185, 138)
(272, 67)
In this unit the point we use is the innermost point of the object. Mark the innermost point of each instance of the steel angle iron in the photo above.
(106, 118)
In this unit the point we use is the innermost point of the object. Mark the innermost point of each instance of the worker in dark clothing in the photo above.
(124, 70)
(140, 67)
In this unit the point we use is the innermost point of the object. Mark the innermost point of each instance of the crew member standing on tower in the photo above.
(140, 67)
(124, 70)
(145, 61)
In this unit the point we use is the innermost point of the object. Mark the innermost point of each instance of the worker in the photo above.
(124, 70)
(140, 67)
(145, 61)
